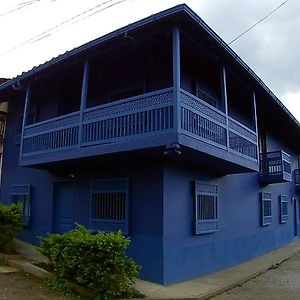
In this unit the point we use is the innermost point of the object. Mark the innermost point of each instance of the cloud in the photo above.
(292, 102)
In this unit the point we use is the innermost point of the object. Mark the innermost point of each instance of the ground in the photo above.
(282, 282)
(22, 286)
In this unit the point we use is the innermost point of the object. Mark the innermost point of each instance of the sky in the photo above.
(34, 31)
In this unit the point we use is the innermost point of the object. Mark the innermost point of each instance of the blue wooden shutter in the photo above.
(109, 205)
(206, 208)
(266, 208)
(20, 194)
(283, 209)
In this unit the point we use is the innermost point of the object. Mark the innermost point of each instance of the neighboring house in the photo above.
(160, 130)
(3, 112)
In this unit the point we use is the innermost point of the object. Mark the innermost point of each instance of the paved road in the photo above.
(281, 283)
(22, 287)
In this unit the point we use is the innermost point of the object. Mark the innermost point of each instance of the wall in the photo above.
(145, 215)
(240, 236)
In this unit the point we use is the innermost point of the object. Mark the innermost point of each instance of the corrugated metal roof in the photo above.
(179, 9)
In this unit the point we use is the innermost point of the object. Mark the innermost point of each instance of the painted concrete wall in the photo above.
(145, 215)
(240, 236)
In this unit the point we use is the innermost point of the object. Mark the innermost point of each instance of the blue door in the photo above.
(63, 213)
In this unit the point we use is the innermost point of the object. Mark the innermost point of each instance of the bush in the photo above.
(10, 225)
(97, 261)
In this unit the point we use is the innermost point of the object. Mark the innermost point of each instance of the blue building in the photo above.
(158, 129)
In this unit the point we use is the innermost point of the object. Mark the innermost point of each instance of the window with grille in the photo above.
(20, 194)
(206, 208)
(109, 205)
(283, 209)
(126, 90)
(266, 201)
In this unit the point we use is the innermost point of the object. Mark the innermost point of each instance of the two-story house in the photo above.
(158, 129)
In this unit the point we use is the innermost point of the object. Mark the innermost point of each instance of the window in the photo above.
(109, 205)
(206, 93)
(206, 208)
(126, 90)
(283, 209)
(266, 201)
(20, 194)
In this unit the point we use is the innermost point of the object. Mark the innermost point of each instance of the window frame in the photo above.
(24, 190)
(110, 225)
(283, 199)
(266, 219)
(211, 225)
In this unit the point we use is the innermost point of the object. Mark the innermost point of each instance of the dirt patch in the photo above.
(23, 286)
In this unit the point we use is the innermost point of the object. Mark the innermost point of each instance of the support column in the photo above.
(176, 78)
(25, 115)
(255, 122)
(84, 93)
(224, 92)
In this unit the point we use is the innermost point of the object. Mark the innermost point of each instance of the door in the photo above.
(295, 218)
(63, 211)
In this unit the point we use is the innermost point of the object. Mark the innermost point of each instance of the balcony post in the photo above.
(176, 78)
(84, 92)
(255, 122)
(224, 92)
(25, 115)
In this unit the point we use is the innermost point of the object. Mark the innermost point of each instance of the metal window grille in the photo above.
(206, 208)
(266, 199)
(283, 209)
(20, 194)
(109, 205)
(124, 93)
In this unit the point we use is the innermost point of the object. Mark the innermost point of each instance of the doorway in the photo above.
(63, 209)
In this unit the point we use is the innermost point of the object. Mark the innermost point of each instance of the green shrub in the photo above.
(3, 262)
(10, 225)
(97, 261)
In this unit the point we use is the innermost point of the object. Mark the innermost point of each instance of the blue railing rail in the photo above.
(297, 179)
(206, 123)
(150, 114)
(275, 167)
(2, 123)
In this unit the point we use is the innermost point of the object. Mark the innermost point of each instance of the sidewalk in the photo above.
(216, 283)
(199, 288)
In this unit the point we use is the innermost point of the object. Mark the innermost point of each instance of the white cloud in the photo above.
(292, 101)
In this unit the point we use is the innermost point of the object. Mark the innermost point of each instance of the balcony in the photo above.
(2, 124)
(144, 121)
(275, 167)
(297, 179)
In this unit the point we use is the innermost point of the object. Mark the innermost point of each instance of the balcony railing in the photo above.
(275, 167)
(2, 123)
(204, 122)
(297, 179)
(147, 115)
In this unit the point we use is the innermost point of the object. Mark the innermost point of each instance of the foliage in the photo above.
(10, 225)
(59, 285)
(2, 262)
(97, 261)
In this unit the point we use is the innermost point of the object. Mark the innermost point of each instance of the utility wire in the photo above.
(266, 16)
(49, 32)
(75, 20)
(18, 7)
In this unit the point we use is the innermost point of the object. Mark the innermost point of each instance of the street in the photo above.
(282, 282)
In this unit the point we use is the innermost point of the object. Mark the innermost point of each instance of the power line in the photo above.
(49, 32)
(22, 5)
(18, 7)
(266, 16)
